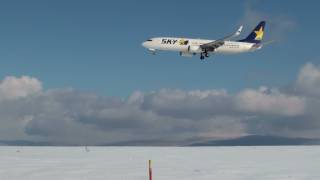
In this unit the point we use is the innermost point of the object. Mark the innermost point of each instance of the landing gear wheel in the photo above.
(201, 57)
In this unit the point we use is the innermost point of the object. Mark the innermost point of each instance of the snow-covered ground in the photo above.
(169, 163)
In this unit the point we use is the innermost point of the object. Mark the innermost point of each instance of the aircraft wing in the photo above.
(217, 43)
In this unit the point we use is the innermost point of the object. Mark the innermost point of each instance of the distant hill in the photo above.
(23, 143)
(151, 142)
(258, 140)
(251, 140)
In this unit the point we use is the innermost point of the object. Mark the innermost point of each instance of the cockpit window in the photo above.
(149, 40)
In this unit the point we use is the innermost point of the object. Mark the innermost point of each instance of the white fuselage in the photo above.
(191, 46)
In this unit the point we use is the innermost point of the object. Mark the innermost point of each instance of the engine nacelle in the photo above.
(194, 49)
(186, 54)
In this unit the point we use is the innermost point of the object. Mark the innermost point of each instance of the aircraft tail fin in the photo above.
(256, 35)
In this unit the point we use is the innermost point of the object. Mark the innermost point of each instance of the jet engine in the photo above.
(194, 49)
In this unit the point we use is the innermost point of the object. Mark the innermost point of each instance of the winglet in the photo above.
(239, 31)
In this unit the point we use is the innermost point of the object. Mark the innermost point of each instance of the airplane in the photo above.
(189, 47)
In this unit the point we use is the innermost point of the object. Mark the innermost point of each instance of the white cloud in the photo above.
(270, 102)
(70, 116)
(308, 81)
(12, 87)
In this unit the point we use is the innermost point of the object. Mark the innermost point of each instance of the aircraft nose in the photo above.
(145, 44)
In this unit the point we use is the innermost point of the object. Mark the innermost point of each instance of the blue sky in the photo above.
(95, 46)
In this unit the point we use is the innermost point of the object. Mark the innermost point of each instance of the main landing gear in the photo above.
(203, 55)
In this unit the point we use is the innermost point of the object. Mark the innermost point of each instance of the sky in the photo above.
(75, 71)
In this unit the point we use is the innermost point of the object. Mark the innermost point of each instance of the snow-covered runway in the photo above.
(169, 163)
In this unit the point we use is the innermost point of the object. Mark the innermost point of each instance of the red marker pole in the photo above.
(150, 170)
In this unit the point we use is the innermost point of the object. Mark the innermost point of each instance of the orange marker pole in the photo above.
(150, 170)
